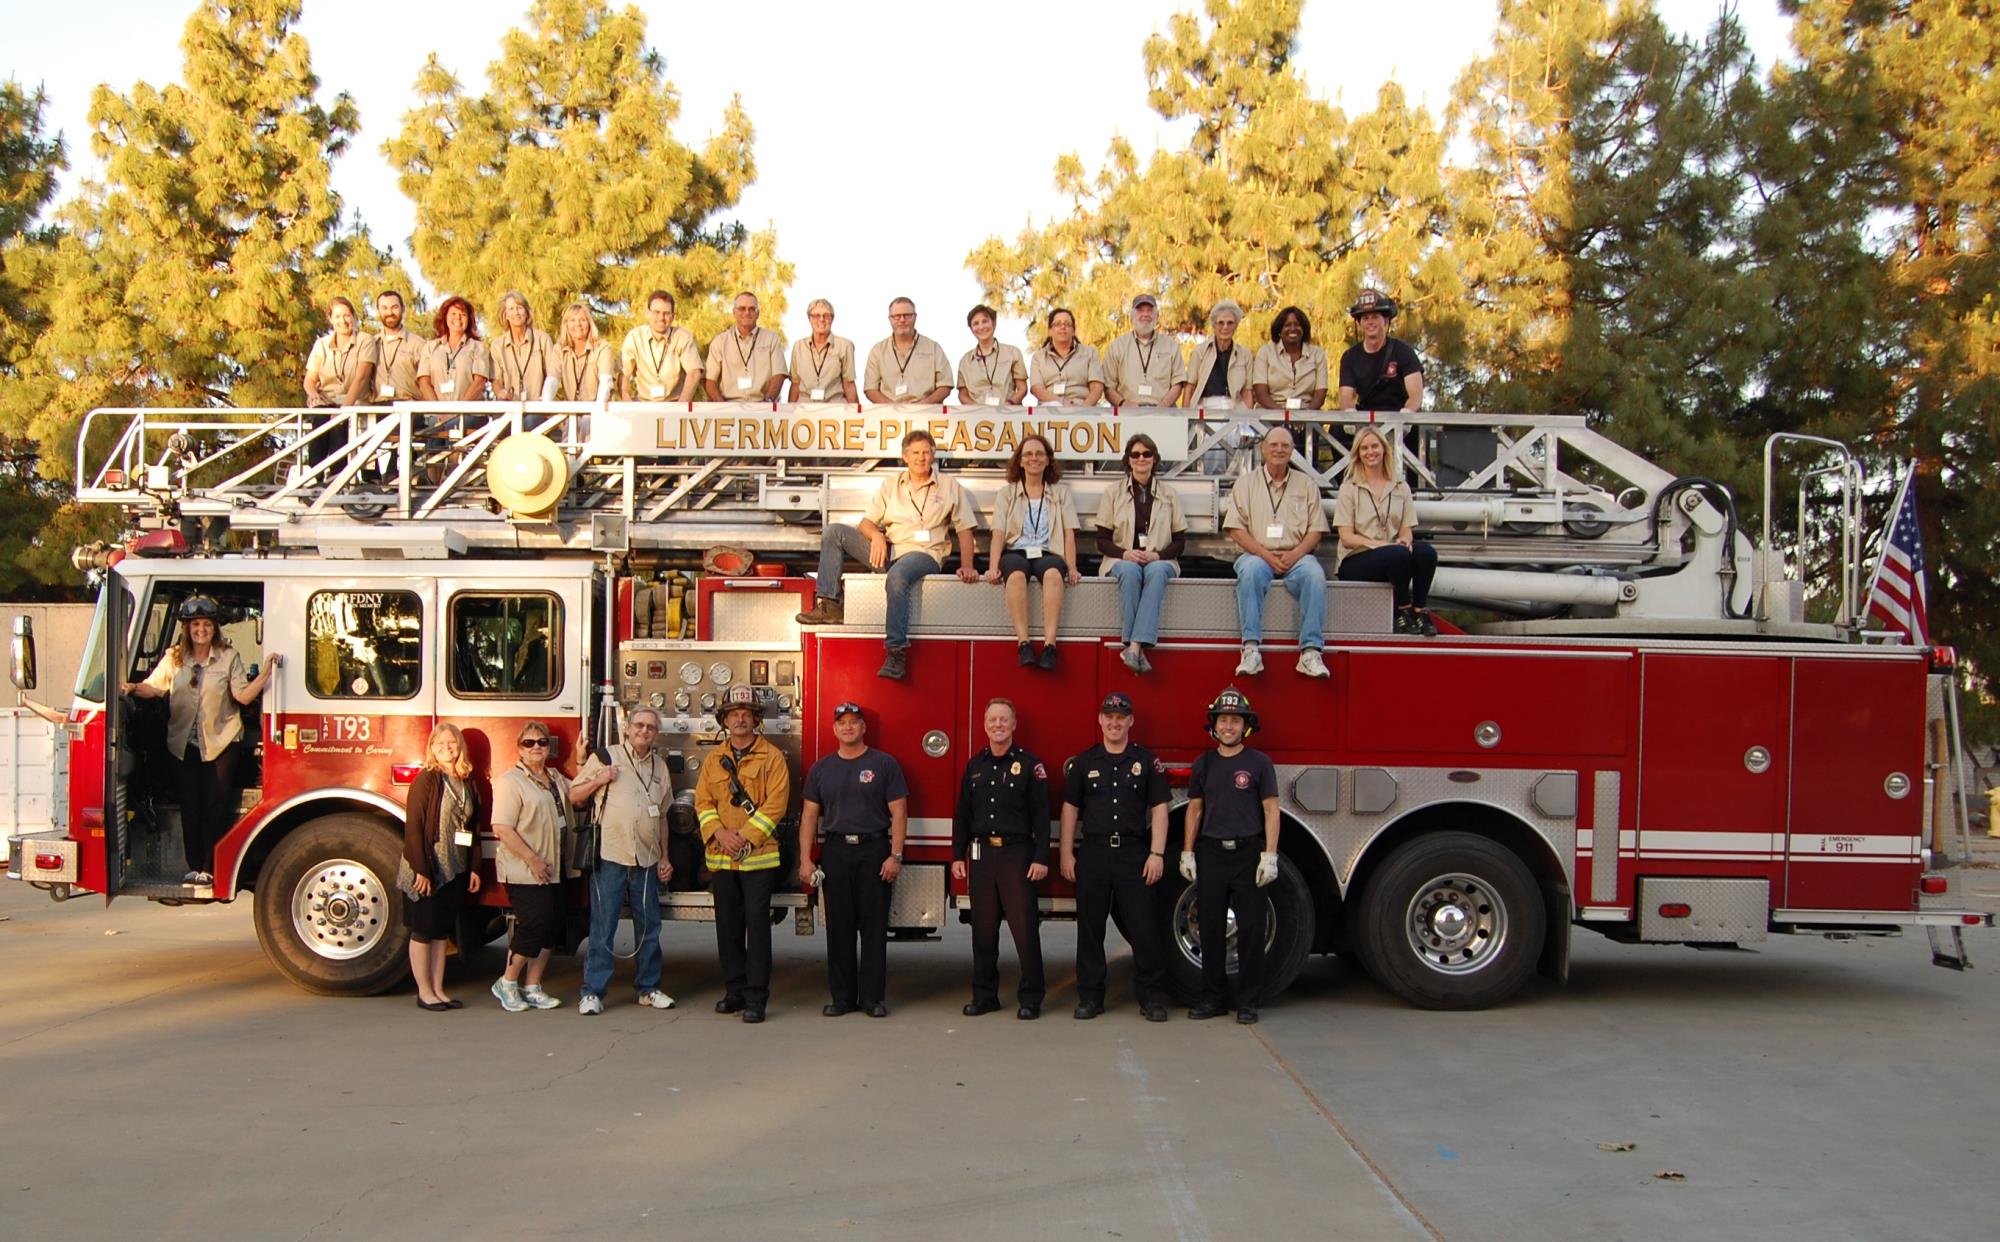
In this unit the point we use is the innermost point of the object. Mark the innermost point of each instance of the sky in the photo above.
(994, 93)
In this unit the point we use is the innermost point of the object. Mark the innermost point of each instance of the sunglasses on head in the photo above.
(528, 743)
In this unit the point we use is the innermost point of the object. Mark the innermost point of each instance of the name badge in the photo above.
(659, 392)
(818, 394)
(743, 383)
(922, 536)
(462, 839)
(902, 390)
(1293, 403)
(993, 398)
(1218, 403)
(1059, 388)
(1145, 390)
(1031, 552)
(449, 385)
(1141, 541)
(385, 390)
(653, 809)
(1275, 530)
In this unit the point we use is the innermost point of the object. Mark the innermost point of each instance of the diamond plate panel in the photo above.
(1605, 835)
(918, 899)
(1733, 911)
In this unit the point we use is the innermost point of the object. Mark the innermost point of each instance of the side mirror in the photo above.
(21, 656)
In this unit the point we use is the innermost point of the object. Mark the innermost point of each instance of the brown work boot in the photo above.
(824, 612)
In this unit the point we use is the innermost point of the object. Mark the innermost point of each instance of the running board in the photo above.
(1948, 948)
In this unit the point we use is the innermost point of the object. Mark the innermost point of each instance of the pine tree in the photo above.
(29, 160)
(564, 180)
(1278, 198)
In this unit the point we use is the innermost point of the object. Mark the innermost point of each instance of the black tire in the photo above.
(1426, 887)
(1290, 933)
(328, 914)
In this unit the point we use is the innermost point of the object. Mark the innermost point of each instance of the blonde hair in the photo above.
(819, 304)
(578, 308)
(1359, 472)
(513, 295)
(463, 768)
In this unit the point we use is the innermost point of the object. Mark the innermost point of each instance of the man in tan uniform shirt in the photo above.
(388, 360)
(1142, 368)
(745, 362)
(659, 362)
(1276, 517)
(906, 369)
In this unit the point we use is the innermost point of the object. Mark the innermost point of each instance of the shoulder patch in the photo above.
(1041, 773)
(1159, 765)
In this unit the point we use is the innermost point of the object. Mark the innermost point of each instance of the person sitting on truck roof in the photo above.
(905, 368)
(1378, 372)
(441, 824)
(387, 368)
(1275, 516)
(990, 373)
(531, 816)
(1290, 372)
(1140, 534)
(1377, 520)
(743, 790)
(1065, 371)
(455, 366)
(906, 532)
(1034, 536)
(204, 682)
(746, 362)
(822, 363)
(1142, 368)
(659, 361)
(523, 354)
(585, 370)
(1220, 369)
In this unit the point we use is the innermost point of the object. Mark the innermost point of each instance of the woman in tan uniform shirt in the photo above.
(1034, 535)
(1065, 371)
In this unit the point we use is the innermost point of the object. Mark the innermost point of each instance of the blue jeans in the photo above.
(611, 886)
(1142, 592)
(1306, 582)
(840, 541)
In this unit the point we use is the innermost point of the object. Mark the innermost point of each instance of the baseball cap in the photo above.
(1145, 299)
(1115, 704)
(846, 709)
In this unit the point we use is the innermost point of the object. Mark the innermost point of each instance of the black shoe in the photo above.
(836, 1011)
(1028, 1013)
(976, 1008)
(1406, 622)
(454, 1004)
(729, 1004)
(878, 1010)
(433, 1006)
(753, 1013)
(1246, 1016)
(1155, 1012)
(1426, 624)
(1049, 655)
(1206, 1010)
(895, 666)
(1025, 653)
(1088, 1010)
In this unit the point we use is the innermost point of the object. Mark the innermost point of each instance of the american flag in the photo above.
(1896, 597)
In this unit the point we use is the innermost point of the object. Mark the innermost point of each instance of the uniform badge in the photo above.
(1390, 372)
(867, 776)
(1016, 769)
(1137, 767)
(1243, 780)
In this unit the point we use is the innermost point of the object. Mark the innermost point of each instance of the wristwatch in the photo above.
(897, 859)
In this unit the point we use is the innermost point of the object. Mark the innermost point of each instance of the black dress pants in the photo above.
(1226, 880)
(208, 803)
(743, 933)
(997, 885)
(1112, 878)
(857, 920)
(1408, 571)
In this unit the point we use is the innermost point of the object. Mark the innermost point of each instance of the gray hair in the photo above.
(515, 295)
(1225, 307)
(637, 712)
(819, 304)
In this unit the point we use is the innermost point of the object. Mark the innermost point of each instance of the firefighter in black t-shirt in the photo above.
(1117, 793)
(1232, 810)
(1379, 372)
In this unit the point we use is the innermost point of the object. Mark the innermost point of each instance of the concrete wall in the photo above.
(60, 632)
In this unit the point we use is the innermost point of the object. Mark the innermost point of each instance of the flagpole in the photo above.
(1882, 553)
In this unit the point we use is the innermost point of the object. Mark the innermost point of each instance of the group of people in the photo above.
(661, 361)
(1112, 845)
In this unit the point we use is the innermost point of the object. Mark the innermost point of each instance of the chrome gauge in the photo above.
(690, 674)
(681, 701)
(720, 673)
(658, 699)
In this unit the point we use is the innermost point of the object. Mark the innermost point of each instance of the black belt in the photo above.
(1000, 842)
(855, 838)
(1229, 843)
(1116, 840)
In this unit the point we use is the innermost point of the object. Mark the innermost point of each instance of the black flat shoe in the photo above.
(1246, 1016)
(752, 1015)
(1048, 655)
(1154, 1012)
(729, 1004)
(433, 1006)
(454, 1004)
(976, 1008)
(878, 1010)
(1025, 653)
(1088, 1010)
(835, 1011)
(1204, 1011)
(1028, 1013)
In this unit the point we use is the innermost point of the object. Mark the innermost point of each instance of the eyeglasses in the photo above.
(904, 315)
(640, 724)
(533, 743)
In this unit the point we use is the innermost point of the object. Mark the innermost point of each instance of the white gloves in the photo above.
(819, 876)
(1267, 869)
(1187, 865)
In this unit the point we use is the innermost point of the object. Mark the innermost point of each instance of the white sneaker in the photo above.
(590, 1004)
(508, 993)
(1252, 662)
(538, 999)
(656, 999)
(1310, 664)
(191, 877)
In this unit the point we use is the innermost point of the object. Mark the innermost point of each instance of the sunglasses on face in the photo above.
(1140, 455)
(534, 743)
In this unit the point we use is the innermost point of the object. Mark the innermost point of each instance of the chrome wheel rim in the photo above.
(1187, 928)
(1456, 924)
(340, 909)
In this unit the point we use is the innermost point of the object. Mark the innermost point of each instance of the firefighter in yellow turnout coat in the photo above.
(743, 791)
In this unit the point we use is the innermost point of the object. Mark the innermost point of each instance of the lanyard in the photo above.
(389, 362)
(1276, 498)
(903, 363)
(578, 368)
(521, 372)
(660, 356)
(820, 357)
(339, 357)
(451, 358)
(1062, 366)
(1038, 511)
(1375, 503)
(988, 360)
(1146, 357)
(645, 782)
(929, 489)
(742, 354)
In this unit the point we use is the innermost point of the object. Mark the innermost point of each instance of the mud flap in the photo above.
(1554, 963)
(1948, 948)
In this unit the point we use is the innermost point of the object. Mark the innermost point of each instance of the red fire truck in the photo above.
(1658, 727)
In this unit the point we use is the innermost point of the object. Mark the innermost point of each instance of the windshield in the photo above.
(90, 673)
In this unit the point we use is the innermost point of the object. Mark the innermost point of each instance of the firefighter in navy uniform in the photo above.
(1117, 793)
(1232, 811)
(1000, 847)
